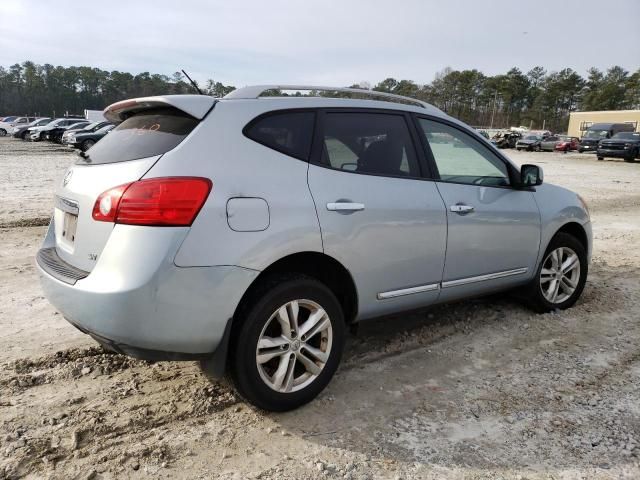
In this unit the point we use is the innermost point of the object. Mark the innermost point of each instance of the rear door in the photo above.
(121, 157)
(383, 222)
(493, 229)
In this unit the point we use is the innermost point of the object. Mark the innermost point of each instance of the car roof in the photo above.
(199, 105)
(360, 97)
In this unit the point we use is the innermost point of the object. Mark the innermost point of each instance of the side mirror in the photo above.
(531, 175)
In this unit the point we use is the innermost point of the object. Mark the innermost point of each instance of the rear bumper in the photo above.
(137, 301)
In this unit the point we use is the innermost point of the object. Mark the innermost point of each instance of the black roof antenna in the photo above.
(195, 85)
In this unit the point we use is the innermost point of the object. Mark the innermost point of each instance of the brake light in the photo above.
(166, 201)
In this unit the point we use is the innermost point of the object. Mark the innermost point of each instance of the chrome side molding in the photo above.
(451, 283)
(408, 291)
(484, 278)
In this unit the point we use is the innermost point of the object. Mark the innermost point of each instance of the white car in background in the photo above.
(36, 132)
(7, 125)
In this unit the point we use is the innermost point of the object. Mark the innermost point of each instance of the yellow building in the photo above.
(580, 121)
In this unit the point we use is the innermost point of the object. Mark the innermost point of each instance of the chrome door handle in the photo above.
(345, 206)
(462, 209)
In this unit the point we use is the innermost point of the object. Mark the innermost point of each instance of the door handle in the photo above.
(462, 209)
(345, 206)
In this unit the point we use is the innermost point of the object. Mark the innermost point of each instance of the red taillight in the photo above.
(168, 201)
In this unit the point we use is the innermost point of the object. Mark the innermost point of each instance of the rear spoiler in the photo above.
(195, 105)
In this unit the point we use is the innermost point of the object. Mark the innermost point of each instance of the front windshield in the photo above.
(42, 121)
(9, 119)
(596, 134)
(91, 126)
(106, 128)
(627, 136)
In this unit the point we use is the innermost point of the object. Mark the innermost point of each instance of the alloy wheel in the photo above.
(294, 346)
(560, 275)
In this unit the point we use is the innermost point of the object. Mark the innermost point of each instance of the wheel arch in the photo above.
(576, 230)
(320, 266)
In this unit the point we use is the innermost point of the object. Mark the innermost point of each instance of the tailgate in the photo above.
(80, 239)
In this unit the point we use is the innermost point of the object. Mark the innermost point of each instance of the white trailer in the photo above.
(94, 115)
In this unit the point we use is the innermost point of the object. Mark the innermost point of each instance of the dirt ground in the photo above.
(482, 389)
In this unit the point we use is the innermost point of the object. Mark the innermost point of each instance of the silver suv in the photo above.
(249, 232)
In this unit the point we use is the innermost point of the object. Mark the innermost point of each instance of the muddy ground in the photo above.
(480, 389)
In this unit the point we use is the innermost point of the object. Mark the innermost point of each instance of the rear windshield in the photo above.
(146, 134)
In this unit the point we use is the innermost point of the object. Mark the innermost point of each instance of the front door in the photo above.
(493, 229)
(384, 223)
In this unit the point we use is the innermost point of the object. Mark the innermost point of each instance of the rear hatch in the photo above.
(149, 128)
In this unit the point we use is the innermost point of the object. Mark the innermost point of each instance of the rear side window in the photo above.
(286, 132)
(375, 143)
(146, 134)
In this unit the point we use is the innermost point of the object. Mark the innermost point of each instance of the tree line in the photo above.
(536, 99)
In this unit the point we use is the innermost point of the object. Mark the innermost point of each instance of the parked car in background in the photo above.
(7, 125)
(601, 131)
(37, 132)
(506, 139)
(92, 127)
(55, 134)
(561, 143)
(567, 144)
(85, 140)
(23, 131)
(483, 132)
(530, 142)
(318, 209)
(624, 145)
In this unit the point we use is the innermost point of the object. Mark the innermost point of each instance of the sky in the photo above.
(326, 42)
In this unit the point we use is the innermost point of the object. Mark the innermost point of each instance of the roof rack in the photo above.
(255, 91)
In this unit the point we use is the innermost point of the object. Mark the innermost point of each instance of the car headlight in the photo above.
(628, 145)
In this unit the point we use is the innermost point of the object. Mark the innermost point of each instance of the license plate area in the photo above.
(69, 226)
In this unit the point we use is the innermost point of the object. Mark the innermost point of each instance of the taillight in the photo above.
(167, 201)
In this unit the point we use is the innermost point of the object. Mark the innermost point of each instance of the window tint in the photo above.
(368, 143)
(461, 158)
(287, 132)
(146, 134)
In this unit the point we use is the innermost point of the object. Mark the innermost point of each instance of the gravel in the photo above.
(480, 389)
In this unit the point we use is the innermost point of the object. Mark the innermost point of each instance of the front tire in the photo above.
(289, 342)
(86, 145)
(632, 158)
(561, 276)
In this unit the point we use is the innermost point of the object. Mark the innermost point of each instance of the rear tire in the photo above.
(561, 276)
(3, 132)
(279, 370)
(600, 158)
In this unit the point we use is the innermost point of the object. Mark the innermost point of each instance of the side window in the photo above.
(287, 132)
(461, 158)
(375, 143)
